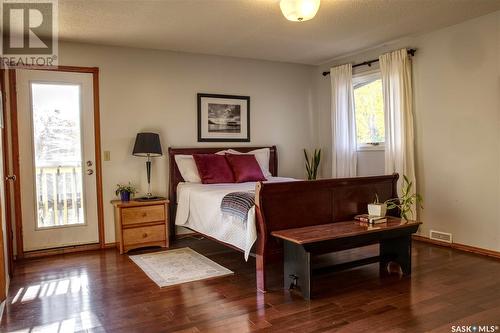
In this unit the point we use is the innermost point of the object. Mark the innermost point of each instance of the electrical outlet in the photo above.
(107, 155)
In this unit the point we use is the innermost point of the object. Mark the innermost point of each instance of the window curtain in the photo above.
(344, 147)
(395, 68)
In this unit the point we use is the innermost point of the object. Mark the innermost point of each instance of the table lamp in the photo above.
(147, 145)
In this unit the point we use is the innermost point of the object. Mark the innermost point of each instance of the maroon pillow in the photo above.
(213, 168)
(245, 168)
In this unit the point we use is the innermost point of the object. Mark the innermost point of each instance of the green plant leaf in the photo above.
(312, 163)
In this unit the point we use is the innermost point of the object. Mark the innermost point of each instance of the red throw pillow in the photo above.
(245, 168)
(213, 168)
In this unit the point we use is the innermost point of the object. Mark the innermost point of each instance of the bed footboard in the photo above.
(303, 203)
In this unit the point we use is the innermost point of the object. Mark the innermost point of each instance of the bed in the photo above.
(198, 208)
(280, 203)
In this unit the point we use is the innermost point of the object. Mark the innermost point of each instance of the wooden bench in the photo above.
(302, 244)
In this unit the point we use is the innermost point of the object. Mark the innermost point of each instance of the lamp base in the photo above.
(150, 198)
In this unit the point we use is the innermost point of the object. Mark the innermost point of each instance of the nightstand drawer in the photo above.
(144, 214)
(155, 233)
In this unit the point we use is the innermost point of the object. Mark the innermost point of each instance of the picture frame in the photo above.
(223, 118)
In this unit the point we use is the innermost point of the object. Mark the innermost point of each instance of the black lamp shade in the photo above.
(147, 144)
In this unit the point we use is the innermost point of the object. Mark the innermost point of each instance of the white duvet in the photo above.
(198, 208)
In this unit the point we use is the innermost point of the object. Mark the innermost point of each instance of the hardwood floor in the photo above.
(102, 291)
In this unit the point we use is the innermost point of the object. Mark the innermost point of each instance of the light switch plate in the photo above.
(107, 155)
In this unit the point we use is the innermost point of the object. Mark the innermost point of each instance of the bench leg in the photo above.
(297, 269)
(397, 250)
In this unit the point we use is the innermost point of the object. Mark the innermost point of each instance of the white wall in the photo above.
(457, 113)
(148, 90)
(371, 163)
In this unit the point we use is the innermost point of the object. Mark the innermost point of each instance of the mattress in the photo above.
(198, 208)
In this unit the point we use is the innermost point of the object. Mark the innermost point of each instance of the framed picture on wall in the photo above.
(223, 118)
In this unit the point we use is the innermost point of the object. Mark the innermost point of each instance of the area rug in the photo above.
(178, 266)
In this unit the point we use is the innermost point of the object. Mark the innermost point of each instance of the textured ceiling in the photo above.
(256, 28)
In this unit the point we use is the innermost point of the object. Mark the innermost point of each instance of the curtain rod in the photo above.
(368, 63)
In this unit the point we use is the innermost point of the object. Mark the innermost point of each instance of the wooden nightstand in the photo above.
(141, 223)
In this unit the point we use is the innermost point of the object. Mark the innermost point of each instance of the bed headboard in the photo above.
(175, 176)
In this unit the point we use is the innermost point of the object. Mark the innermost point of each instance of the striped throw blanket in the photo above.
(238, 204)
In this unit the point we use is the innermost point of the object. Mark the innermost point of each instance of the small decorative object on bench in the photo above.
(366, 218)
(312, 164)
(125, 191)
(377, 209)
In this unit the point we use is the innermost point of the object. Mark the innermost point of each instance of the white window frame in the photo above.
(359, 80)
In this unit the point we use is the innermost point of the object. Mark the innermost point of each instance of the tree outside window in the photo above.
(369, 110)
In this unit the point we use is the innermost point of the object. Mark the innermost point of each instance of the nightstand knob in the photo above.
(144, 235)
(144, 214)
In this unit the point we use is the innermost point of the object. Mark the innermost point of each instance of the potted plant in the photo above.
(377, 208)
(125, 191)
(312, 164)
(407, 200)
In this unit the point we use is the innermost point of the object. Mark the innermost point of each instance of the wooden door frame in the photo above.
(5, 152)
(14, 136)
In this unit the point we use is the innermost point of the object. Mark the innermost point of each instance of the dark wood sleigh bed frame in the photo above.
(292, 204)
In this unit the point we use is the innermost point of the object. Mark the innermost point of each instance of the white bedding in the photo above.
(198, 208)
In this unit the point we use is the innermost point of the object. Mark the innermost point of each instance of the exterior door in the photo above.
(57, 159)
(4, 264)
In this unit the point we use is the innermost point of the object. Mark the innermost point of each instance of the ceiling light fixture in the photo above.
(299, 10)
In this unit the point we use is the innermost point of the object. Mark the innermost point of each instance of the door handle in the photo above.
(90, 172)
(11, 177)
(89, 163)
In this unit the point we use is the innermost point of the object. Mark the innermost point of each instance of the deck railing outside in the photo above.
(59, 195)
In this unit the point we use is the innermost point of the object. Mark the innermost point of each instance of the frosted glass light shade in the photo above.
(299, 10)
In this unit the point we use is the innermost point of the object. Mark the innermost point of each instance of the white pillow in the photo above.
(261, 155)
(187, 168)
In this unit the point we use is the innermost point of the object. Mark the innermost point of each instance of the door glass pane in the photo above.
(58, 156)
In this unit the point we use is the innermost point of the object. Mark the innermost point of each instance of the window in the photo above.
(369, 110)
